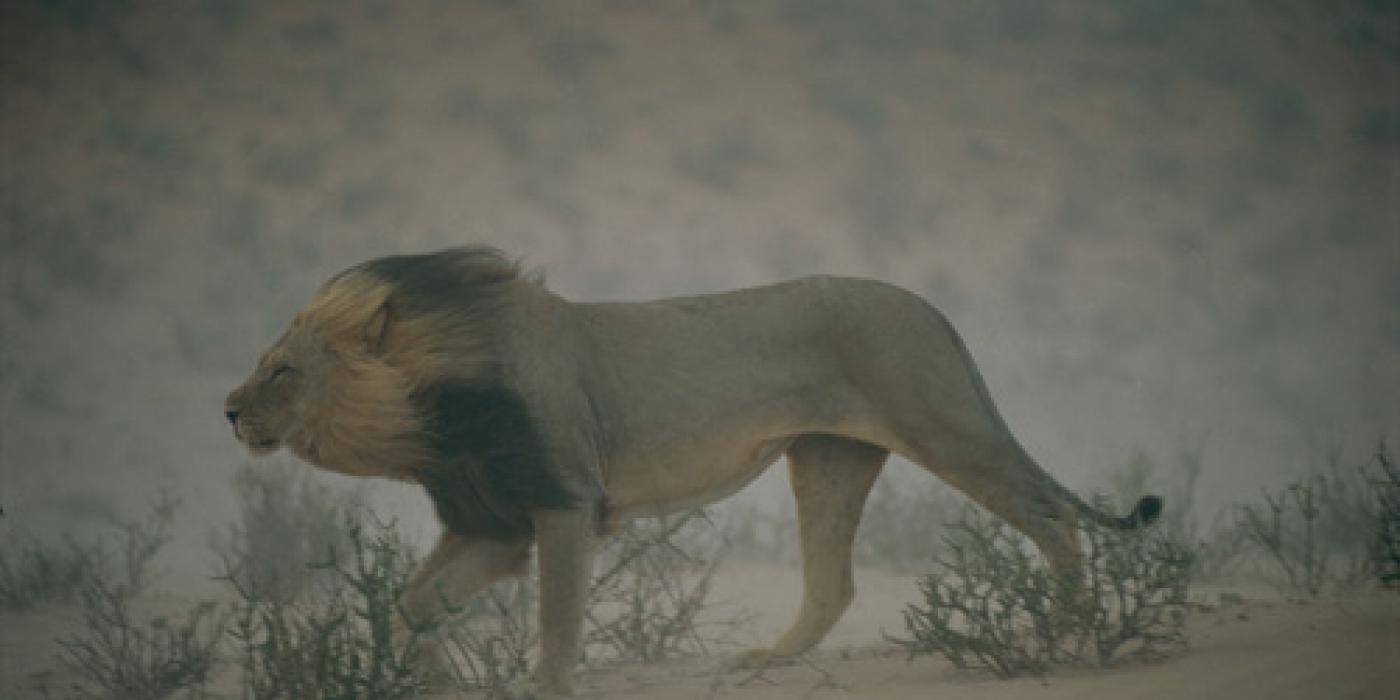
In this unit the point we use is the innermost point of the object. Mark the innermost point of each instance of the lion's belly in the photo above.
(687, 478)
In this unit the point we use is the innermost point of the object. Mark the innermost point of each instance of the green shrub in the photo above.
(489, 645)
(117, 658)
(1385, 552)
(991, 604)
(337, 640)
(646, 604)
(286, 520)
(1317, 530)
(114, 656)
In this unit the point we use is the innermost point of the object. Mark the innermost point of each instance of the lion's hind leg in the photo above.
(831, 477)
(1007, 483)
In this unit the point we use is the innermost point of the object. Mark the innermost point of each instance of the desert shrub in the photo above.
(992, 605)
(286, 521)
(489, 646)
(333, 637)
(115, 655)
(336, 640)
(138, 542)
(1385, 552)
(1348, 522)
(1218, 547)
(117, 658)
(34, 571)
(646, 604)
(1285, 530)
(1315, 530)
(317, 579)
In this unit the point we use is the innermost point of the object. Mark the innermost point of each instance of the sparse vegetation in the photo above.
(118, 658)
(33, 571)
(1285, 529)
(1217, 548)
(1315, 531)
(286, 521)
(490, 646)
(325, 630)
(1219, 552)
(336, 641)
(646, 604)
(991, 605)
(178, 178)
(654, 585)
(1385, 475)
(315, 579)
(115, 656)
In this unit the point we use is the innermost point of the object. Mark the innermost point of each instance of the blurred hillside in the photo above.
(1157, 222)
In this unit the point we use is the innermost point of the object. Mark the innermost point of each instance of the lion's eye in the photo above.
(280, 371)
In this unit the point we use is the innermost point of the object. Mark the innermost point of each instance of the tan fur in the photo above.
(352, 414)
(643, 409)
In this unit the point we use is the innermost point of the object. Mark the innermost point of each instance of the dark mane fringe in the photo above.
(445, 308)
(427, 282)
(492, 468)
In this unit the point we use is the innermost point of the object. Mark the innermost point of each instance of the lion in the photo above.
(534, 421)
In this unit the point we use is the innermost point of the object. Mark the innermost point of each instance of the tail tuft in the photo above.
(1146, 512)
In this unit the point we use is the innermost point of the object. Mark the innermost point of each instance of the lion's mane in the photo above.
(416, 391)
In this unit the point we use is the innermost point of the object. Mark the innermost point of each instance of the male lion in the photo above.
(530, 419)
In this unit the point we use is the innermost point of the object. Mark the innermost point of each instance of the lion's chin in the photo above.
(263, 448)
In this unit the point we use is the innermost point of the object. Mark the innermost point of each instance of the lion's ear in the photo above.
(376, 331)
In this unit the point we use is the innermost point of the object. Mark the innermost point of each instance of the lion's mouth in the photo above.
(248, 434)
(256, 444)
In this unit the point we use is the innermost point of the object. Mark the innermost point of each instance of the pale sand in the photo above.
(1264, 648)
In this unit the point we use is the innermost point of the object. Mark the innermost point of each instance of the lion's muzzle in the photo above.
(248, 431)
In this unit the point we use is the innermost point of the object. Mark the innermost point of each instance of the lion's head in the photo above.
(338, 388)
(287, 387)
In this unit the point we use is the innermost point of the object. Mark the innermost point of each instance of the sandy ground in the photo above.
(1262, 647)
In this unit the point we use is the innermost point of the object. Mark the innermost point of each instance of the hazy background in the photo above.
(1159, 224)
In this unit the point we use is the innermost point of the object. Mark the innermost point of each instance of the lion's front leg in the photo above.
(565, 540)
(456, 569)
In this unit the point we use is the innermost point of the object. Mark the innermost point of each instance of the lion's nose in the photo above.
(232, 416)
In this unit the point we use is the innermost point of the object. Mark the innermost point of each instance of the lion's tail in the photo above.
(1148, 508)
(1146, 512)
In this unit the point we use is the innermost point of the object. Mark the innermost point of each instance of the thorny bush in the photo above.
(992, 605)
